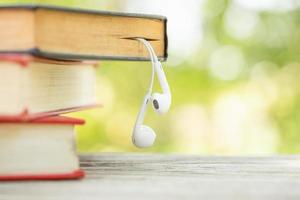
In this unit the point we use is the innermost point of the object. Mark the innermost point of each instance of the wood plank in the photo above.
(157, 176)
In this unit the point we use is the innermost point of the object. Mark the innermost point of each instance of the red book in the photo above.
(32, 87)
(40, 149)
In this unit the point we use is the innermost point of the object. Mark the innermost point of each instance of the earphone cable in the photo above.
(153, 58)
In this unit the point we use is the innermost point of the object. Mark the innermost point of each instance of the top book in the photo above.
(76, 34)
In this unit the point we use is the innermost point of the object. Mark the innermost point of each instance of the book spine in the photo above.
(77, 174)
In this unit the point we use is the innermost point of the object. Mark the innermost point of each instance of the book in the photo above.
(39, 149)
(32, 87)
(77, 34)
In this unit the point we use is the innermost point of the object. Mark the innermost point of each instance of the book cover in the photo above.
(31, 151)
(98, 35)
(34, 87)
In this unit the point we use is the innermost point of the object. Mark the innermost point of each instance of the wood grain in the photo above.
(155, 176)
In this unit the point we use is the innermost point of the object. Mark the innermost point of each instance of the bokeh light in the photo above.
(233, 69)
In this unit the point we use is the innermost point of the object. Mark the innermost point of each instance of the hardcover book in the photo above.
(76, 34)
(42, 149)
(33, 87)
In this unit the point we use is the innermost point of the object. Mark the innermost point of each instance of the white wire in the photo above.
(153, 58)
(147, 97)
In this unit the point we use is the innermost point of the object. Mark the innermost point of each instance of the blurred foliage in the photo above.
(237, 94)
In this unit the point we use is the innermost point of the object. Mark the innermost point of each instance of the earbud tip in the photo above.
(143, 137)
(161, 103)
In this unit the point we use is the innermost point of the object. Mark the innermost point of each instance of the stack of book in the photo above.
(46, 70)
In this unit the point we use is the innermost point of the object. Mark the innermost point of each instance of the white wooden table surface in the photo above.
(156, 176)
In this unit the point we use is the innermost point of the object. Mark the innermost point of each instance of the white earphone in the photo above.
(144, 136)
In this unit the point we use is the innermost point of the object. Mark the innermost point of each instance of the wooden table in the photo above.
(148, 176)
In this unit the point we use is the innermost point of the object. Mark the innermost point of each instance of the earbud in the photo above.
(161, 102)
(144, 136)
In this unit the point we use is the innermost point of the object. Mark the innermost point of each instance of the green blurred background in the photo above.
(234, 72)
